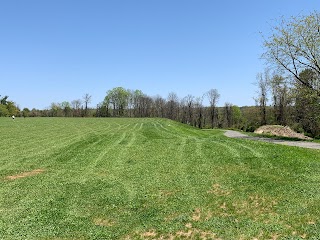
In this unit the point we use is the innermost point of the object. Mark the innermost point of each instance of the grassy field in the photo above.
(151, 179)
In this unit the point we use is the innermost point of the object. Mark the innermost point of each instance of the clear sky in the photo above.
(59, 50)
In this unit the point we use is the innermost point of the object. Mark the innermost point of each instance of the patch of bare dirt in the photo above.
(166, 193)
(188, 233)
(218, 190)
(25, 174)
(151, 233)
(256, 207)
(103, 222)
(281, 131)
(196, 215)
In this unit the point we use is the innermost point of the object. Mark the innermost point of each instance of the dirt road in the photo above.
(235, 134)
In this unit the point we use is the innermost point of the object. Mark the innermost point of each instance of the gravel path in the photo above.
(235, 134)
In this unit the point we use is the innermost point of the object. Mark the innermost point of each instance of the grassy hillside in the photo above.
(151, 178)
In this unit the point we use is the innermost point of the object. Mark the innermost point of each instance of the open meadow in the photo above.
(104, 178)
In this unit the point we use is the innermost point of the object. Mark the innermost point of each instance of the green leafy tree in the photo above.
(118, 97)
(3, 100)
(66, 107)
(26, 112)
(237, 116)
(3, 111)
(12, 108)
(294, 46)
(137, 97)
(307, 104)
(55, 110)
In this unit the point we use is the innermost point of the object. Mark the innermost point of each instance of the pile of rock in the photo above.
(282, 131)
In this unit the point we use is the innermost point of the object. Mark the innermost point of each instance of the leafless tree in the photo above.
(263, 86)
(187, 109)
(213, 97)
(227, 113)
(160, 105)
(76, 106)
(173, 106)
(190, 104)
(86, 100)
(198, 115)
(281, 99)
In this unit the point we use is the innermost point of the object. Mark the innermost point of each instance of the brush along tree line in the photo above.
(288, 91)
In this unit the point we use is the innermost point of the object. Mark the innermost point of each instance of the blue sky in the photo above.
(59, 50)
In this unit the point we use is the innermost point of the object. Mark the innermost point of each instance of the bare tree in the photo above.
(183, 110)
(198, 115)
(213, 97)
(263, 85)
(65, 106)
(227, 114)
(281, 99)
(190, 104)
(86, 100)
(173, 106)
(160, 105)
(186, 109)
(76, 106)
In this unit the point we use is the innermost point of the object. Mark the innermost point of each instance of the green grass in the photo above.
(151, 178)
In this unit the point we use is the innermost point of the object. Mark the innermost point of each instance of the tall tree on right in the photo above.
(307, 104)
(294, 46)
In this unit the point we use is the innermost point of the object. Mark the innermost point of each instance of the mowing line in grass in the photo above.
(107, 178)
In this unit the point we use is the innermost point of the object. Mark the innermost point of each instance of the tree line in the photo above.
(295, 107)
(121, 102)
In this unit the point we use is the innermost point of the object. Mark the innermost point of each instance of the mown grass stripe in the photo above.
(127, 178)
